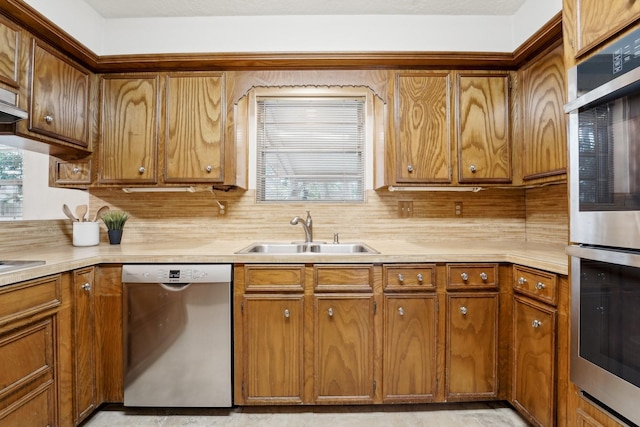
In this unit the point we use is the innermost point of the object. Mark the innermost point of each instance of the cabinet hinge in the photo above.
(242, 311)
(242, 388)
(374, 387)
(375, 307)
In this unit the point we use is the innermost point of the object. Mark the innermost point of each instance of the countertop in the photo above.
(546, 257)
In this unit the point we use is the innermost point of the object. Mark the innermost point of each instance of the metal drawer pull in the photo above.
(48, 119)
(522, 280)
(483, 276)
(208, 168)
(536, 324)
(401, 311)
(141, 169)
(401, 277)
(420, 277)
(473, 168)
(409, 168)
(463, 310)
(330, 312)
(540, 286)
(76, 170)
(465, 277)
(286, 313)
(86, 286)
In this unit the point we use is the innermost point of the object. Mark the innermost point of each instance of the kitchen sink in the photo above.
(6, 266)
(308, 248)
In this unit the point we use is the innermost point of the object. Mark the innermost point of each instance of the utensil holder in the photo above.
(86, 233)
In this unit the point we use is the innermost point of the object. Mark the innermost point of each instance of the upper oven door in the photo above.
(604, 149)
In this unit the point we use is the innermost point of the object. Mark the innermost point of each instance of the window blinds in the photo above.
(310, 149)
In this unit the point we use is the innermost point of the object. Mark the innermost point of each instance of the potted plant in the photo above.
(115, 220)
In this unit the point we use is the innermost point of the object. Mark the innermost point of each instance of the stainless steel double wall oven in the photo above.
(604, 156)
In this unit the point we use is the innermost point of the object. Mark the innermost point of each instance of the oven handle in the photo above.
(631, 259)
(602, 93)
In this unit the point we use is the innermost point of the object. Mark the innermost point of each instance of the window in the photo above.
(310, 148)
(11, 168)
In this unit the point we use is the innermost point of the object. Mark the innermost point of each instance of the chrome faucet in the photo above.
(307, 225)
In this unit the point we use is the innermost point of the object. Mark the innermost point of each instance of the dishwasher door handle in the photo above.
(175, 287)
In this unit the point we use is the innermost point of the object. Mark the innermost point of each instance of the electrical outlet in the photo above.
(405, 208)
(458, 209)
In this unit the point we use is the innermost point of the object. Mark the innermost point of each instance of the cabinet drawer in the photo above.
(26, 299)
(274, 278)
(38, 407)
(77, 172)
(472, 276)
(26, 355)
(535, 283)
(333, 278)
(412, 277)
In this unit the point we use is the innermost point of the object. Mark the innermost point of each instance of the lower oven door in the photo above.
(605, 332)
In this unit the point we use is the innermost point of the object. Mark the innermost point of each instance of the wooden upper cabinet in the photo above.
(194, 128)
(59, 96)
(543, 119)
(423, 127)
(600, 20)
(482, 110)
(9, 47)
(129, 130)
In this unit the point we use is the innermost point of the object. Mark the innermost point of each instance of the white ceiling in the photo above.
(192, 8)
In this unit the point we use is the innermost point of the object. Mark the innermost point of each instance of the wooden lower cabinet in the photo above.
(471, 346)
(28, 347)
(84, 357)
(274, 349)
(409, 355)
(534, 360)
(343, 356)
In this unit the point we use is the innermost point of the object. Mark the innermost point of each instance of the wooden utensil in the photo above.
(68, 212)
(81, 211)
(99, 213)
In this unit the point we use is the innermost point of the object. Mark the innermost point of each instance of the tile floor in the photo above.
(491, 414)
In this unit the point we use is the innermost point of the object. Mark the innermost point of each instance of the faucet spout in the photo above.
(307, 225)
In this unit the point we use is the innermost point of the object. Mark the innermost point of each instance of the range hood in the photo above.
(9, 112)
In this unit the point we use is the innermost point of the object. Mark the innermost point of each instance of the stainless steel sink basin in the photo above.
(308, 248)
(11, 265)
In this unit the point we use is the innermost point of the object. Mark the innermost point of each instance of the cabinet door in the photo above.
(423, 127)
(129, 130)
(471, 346)
(9, 42)
(534, 389)
(59, 106)
(344, 349)
(84, 373)
(194, 136)
(409, 359)
(274, 349)
(543, 119)
(599, 20)
(482, 112)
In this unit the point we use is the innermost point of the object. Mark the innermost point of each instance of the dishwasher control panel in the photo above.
(176, 273)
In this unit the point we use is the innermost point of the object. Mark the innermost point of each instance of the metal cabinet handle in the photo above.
(76, 170)
(401, 311)
(465, 277)
(536, 324)
(86, 286)
(401, 277)
(330, 312)
(420, 277)
(483, 276)
(48, 119)
(286, 313)
(208, 168)
(522, 280)
(141, 169)
(463, 310)
(409, 168)
(540, 286)
(473, 168)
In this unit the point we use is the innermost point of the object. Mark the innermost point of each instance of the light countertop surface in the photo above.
(65, 257)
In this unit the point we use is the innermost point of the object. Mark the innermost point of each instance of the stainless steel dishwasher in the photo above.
(177, 335)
